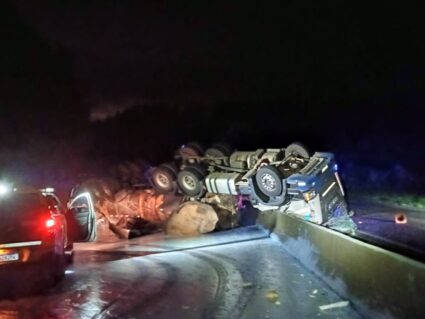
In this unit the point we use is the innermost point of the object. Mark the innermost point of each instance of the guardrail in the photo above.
(378, 283)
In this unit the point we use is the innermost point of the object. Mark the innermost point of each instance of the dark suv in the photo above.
(33, 237)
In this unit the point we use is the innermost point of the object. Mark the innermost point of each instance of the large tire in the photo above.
(191, 150)
(57, 265)
(269, 181)
(191, 181)
(59, 269)
(172, 166)
(196, 147)
(219, 150)
(214, 152)
(297, 149)
(163, 178)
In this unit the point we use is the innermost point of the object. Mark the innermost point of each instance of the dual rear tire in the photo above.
(191, 180)
(166, 179)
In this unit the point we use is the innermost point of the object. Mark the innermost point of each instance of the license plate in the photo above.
(9, 257)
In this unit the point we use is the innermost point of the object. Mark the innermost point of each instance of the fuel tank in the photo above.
(222, 183)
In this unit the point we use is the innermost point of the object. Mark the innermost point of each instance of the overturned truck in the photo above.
(290, 179)
(201, 191)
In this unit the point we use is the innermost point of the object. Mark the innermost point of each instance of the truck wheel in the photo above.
(58, 265)
(163, 178)
(190, 150)
(172, 166)
(269, 181)
(191, 181)
(196, 147)
(215, 152)
(297, 149)
(219, 150)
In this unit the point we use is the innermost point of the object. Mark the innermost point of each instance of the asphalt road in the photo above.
(236, 274)
(377, 224)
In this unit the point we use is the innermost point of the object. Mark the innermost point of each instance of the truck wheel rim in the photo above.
(189, 182)
(162, 181)
(268, 182)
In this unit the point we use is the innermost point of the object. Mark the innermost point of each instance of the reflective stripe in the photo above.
(339, 183)
(329, 188)
(23, 244)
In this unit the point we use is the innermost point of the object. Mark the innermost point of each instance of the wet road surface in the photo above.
(376, 224)
(235, 274)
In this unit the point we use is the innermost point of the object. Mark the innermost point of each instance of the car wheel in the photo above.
(52, 270)
(269, 181)
(59, 263)
(190, 181)
(163, 178)
(60, 271)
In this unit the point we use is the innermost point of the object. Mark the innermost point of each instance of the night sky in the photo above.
(344, 77)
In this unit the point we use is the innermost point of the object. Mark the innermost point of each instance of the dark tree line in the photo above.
(40, 104)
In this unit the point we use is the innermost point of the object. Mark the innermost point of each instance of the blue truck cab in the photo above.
(316, 193)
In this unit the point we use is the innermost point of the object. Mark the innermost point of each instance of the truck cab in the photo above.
(315, 193)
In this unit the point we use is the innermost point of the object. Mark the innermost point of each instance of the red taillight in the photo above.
(50, 223)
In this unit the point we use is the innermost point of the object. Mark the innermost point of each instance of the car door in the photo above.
(82, 218)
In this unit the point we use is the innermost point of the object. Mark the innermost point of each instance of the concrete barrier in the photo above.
(378, 283)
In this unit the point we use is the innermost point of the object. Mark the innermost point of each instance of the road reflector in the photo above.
(400, 219)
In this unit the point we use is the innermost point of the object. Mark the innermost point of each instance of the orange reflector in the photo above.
(4, 251)
(400, 219)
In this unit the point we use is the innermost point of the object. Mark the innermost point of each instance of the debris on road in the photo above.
(272, 296)
(343, 224)
(338, 304)
(247, 285)
(225, 208)
(313, 293)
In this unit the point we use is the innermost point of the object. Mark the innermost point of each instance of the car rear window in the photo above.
(20, 204)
